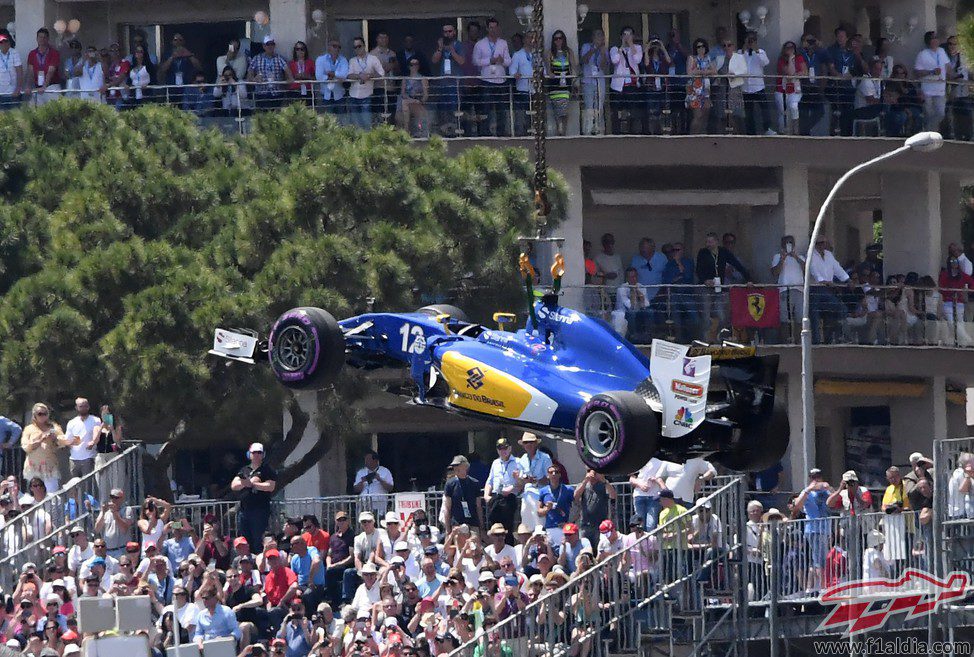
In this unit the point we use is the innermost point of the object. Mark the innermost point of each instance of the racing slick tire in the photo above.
(306, 348)
(616, 432)
(444, 309)
(761, 447)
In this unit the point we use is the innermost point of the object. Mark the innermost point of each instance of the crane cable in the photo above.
(539, 120)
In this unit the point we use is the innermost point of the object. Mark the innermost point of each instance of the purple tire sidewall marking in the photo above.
(308, 371)
(612, 409)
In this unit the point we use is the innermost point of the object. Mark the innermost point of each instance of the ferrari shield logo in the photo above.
(755, 306)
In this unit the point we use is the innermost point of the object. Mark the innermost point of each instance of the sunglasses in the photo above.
(296, 48)
(41, 413)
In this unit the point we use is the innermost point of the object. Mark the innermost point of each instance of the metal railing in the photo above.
(468, 106)
(606, 606)
(42, 526)
(840, 314)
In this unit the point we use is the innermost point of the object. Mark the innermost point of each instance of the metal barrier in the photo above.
(857, 314)
(40, 527)
(643, 586)
(458, 106)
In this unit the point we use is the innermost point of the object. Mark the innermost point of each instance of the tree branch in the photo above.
(299, 423)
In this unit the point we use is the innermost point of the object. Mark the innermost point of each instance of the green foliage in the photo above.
(126, 238)
(965, 35)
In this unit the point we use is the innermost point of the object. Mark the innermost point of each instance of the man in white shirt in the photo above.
(362, 69)
(86, 427)
(492, 57)
(755, 96)
(92, 77)
(646, 487)
(824, 305)
(931, 68)
(788, 268)
(331, 69)
(80, 552)
(869, 91)
(631, 299)
(373, 483)
(685, 480)
(608, 260)
(522, 68)
(500, 489)
(11, 74)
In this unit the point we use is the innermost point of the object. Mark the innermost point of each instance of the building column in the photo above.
(328, 477)
(571, 230)
(951, 212)
(561, 15)
(30, 16)
(917, 422)
(784, 23)
(289, 23)
(911, 222)
(789, 217)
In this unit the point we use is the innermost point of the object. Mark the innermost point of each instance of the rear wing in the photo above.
(236, 344)
(682, 382)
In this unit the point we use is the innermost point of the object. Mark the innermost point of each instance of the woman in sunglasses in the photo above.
(41, 440)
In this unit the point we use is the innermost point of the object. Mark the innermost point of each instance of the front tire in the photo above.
(616, 432)
(306, 348)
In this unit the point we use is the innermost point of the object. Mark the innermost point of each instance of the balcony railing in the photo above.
(653, 105)
(771, 315)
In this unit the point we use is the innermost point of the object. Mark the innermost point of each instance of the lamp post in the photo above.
(922, 142)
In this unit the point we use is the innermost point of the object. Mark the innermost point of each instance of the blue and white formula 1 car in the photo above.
(564, 374)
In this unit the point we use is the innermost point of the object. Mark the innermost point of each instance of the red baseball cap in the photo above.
(240, 540)
(272, 553)
(70, 635)
(60, 549)
(607, 526)
(132, 545)
(278, 642)
(4, 37)
(570, 528)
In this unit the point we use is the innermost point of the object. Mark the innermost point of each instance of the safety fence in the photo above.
(651, 104)
(894, 315)
(31, 534)
(648, 582)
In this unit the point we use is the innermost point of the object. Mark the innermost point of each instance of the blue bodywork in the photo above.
(563, 353)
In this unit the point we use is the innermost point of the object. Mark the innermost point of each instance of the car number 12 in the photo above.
(418, 339)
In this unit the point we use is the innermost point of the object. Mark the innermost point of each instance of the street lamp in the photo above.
(923, 142)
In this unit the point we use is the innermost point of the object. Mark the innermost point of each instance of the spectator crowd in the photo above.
(479, 84)
(381, 584)
(665, 292)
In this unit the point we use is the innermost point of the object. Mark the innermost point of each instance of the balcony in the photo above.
(769, 315)
(467, 107)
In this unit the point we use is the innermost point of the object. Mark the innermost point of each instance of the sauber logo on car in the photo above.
(686, 389)
(863, 605)
(475, 378)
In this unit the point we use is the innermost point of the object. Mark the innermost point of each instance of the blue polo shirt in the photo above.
(562, 497)
(302, 568)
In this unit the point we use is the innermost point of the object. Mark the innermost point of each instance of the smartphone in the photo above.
(789, 247)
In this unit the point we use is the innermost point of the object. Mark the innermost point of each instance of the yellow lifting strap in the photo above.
(504, 318)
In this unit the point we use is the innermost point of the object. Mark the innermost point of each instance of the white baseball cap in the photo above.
(256, 447)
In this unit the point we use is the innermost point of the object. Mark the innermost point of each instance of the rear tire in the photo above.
(444, 309)
(616, 432)
(306, 348)
(762, 446)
